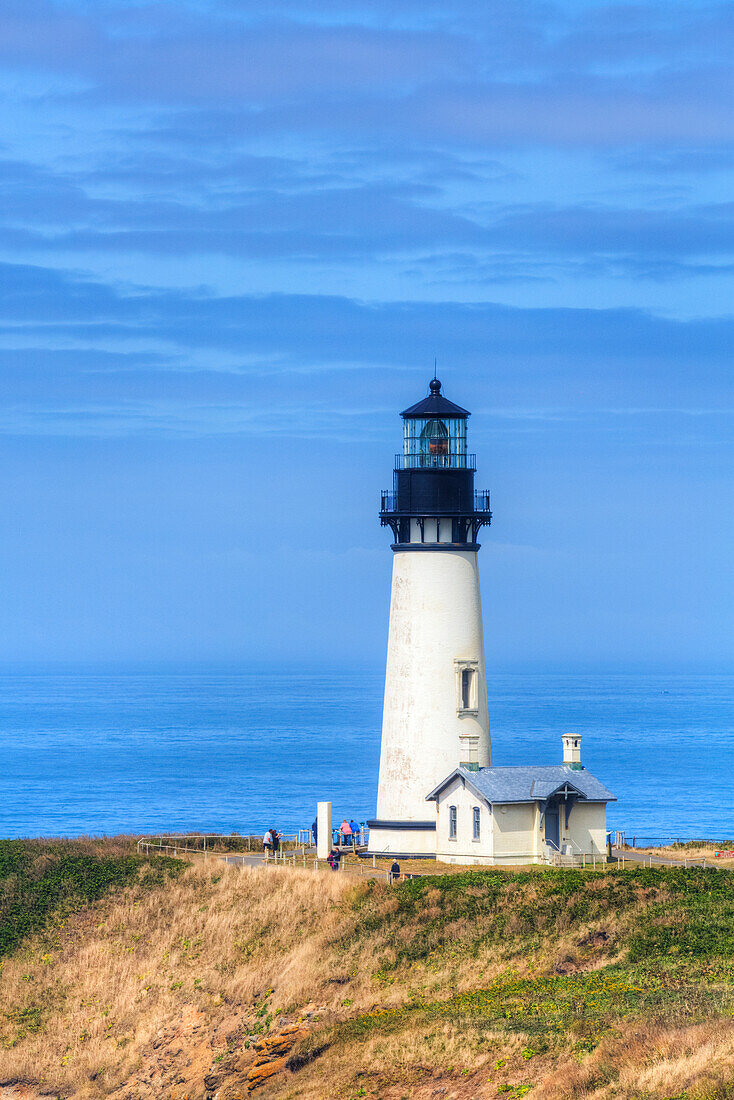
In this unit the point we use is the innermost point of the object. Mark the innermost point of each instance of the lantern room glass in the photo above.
(434, 442)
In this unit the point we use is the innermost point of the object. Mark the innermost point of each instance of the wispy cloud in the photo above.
(288, 367)
(235, 233)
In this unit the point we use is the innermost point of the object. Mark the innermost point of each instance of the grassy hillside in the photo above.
(479, 984)
(45, 880)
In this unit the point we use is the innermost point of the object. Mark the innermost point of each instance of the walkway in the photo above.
(623, 855)
(257, 859)
(647, 860)
(253, 860)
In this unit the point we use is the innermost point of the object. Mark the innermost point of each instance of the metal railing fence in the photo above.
(203, 843)
(198, 843)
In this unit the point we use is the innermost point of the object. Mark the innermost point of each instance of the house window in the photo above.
(452, 822)
(476, 821)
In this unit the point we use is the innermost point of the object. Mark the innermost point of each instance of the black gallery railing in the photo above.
(389, 501)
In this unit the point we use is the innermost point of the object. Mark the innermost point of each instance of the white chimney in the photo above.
(572, 749)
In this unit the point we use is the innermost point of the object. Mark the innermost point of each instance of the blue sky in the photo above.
(233, 237)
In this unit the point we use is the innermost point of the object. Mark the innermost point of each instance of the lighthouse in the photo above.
(435, 713)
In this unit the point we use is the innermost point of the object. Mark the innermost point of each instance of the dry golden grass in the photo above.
(178, 961)
(194, 947)
(650, 1060)
(138, 996)
(123, 844)
(435, 1060)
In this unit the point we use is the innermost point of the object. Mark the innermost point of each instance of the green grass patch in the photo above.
(685, 911)
(669, 942)
(585, 1005)
(42, 881)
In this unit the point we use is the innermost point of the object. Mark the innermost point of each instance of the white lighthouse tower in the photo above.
(435, 715)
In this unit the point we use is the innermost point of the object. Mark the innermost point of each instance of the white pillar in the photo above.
(323, 829)
(430, 723)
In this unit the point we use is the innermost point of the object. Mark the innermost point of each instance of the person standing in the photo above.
(356, 830)
(334, 859)
(395, 871)
(268, 843)
(315, 831)
(346, 831)
(276, 841)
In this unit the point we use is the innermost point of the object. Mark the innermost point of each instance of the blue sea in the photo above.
(230, 749)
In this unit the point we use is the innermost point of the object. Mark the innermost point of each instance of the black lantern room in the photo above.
(433, 480)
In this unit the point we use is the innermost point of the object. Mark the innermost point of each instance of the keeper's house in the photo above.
(515, 815)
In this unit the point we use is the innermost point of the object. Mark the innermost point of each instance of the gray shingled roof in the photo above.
(528, 784)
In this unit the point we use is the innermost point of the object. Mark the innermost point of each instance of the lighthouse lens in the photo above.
(434, 439)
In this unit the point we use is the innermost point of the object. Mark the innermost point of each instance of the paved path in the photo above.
(246, 861)
(256, 859)
(634, 856)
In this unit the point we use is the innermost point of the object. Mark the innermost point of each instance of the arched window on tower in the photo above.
(434, 443)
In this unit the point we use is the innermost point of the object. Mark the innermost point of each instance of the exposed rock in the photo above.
(259, 1074)
(282, 1042)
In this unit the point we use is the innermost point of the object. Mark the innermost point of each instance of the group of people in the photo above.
(271, 842)
(348, 833)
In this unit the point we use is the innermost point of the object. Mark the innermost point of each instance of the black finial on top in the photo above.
(435, 404)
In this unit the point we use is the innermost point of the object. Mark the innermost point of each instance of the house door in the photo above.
(552, 833)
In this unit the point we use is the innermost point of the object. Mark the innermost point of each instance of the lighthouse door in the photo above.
(552, 833)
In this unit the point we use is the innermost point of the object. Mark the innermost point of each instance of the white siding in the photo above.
(418, 842)
(463, 849)
(587, 828)
(515, 833)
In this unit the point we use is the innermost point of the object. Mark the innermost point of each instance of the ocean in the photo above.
(226, 749)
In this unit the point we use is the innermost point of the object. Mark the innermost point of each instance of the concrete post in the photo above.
(323, 821)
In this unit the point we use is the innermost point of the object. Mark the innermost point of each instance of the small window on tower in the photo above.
(476, 821)
(452, 822)
(466, 686)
